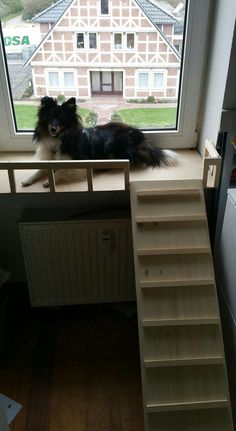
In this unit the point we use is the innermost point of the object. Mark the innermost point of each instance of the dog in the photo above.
(60, 135)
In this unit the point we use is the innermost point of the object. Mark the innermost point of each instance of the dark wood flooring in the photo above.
(73, 368)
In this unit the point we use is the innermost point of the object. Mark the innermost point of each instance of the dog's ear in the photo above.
(48, 101)
(70, 103)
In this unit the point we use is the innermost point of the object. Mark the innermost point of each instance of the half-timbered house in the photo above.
(106, 47)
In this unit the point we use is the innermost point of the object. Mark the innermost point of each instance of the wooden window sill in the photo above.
(189, 166)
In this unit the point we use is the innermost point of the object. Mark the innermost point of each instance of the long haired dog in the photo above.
(59, 135)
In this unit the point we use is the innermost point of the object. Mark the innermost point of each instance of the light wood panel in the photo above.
(181, 347)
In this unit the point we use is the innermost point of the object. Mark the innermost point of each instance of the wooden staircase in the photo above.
(184, 376)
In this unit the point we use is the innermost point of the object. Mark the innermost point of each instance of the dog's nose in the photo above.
(53, 129)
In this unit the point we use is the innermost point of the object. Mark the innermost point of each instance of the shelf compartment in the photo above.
(169, 251)
(167, 192)
(175, 267)
(184, 387)
(181, 322)
(215, 360)
(176, 343)
(180, 282)
(213, 418)
(170, 218)
(155, 408)
(176, 302)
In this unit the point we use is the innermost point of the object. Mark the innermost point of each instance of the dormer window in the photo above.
(104, 7)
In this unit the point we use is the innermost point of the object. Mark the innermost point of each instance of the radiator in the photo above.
(75, 262)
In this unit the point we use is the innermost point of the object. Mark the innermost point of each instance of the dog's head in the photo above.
(56, 118)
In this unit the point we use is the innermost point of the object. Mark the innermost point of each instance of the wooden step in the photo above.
(167, 192)
(177, 250)
(177, 283)
(206, 404)
(155, 363)
(170, 218)
(181, 322)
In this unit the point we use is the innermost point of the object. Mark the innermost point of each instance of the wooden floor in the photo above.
(73, 368)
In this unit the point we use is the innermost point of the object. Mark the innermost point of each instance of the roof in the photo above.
(52, 13)
(155, 13)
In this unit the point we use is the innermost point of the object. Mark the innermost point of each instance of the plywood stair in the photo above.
(184, 376)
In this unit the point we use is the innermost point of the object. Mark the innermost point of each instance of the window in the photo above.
(104, 7)
(69, 81)
(143, 80)
(60, 79)
(158, 80)
(130, 40)
(117, 41)
(80, 40)
(53, 79)
(41, 62)
(92, 40)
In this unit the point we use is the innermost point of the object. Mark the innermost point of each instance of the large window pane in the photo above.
(137, 65)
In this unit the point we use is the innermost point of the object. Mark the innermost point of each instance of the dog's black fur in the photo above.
(60, 129)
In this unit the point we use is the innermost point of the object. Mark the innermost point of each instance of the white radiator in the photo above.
(74, 262)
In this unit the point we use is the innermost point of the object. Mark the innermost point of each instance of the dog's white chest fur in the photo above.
(48, 149)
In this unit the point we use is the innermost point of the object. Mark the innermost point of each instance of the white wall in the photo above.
(218, 65)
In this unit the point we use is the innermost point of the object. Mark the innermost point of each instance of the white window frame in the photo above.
(162, 72)
(76, 41)
(147, 72)
(122, 40)
(193, 66)
(100, 8)
(61, 87)
(92, 49)
(126, 41)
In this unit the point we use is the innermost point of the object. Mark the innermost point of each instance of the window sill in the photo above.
(189, 166)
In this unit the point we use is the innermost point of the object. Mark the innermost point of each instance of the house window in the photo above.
(69, 81)
(92, 40)
(104, 7)
(80, 40)
(158, 80)
(53, 79)
(143, 80)
(60, 79)
(44, 63)
(130, 40)
(117, 41)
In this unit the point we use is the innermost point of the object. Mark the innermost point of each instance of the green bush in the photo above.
(116, 118)
(151, 99)
(61, 98)
(91, 119)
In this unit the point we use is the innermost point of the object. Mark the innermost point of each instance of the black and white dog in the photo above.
(59, 135)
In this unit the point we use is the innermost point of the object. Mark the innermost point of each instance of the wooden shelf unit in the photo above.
(181, 346)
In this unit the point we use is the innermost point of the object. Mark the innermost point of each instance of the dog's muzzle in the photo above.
(54, 131)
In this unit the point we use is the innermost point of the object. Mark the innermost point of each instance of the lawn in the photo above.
(26, 116)
(149, 117)
(141, 117)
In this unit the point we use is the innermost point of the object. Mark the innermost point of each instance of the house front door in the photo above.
(106, 82)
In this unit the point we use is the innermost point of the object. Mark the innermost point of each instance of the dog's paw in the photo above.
(46, 184)
(27, 182)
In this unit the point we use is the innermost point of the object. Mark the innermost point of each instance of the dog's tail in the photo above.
(148, 154)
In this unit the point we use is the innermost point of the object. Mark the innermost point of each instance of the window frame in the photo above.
(84, 42)
(100, 8)
(189, 101)
(122, 40)
(61, 79)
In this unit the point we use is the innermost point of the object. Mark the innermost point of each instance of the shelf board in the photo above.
(194, 405)
(170, 218)
(172, 283)
(155, 363)
(167, 192)
(169, 251)
(181, 322)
